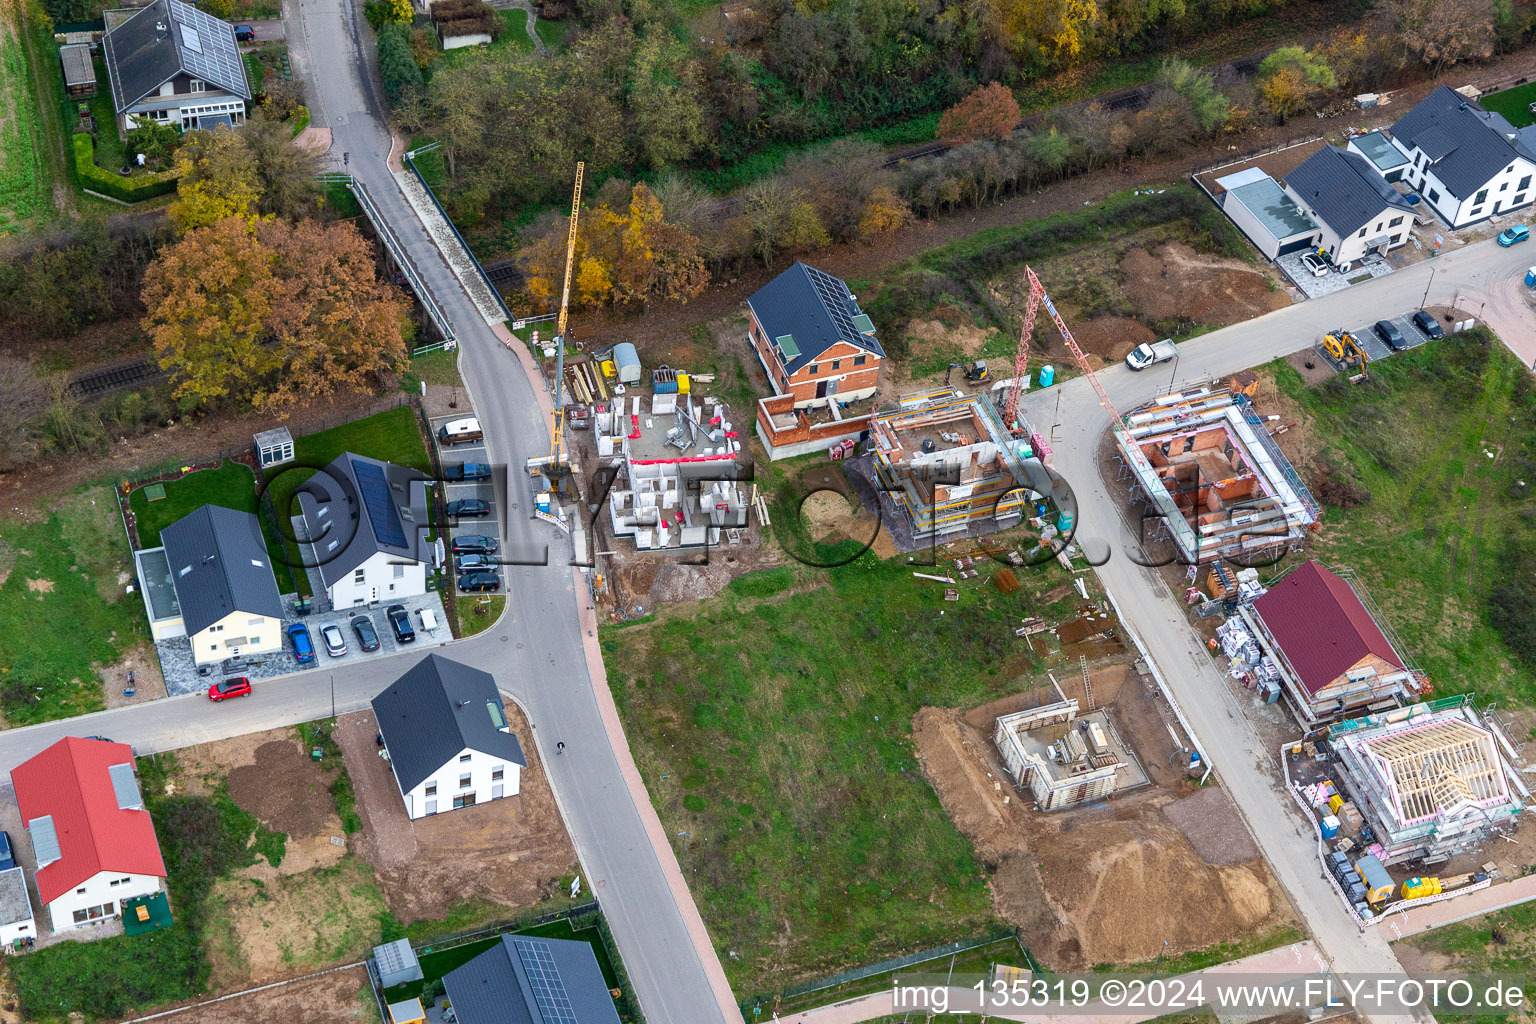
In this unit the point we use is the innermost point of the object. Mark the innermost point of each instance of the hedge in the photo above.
(110, 183)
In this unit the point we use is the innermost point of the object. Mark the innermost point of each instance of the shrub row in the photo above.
(110, 183)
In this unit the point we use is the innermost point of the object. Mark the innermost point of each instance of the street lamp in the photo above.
(1424, 301)
(1174, 375)
(333, 694)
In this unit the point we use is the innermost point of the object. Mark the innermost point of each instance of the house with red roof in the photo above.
(1334, 658)
(94, 842)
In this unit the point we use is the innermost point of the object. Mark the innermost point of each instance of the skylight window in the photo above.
(190, 39)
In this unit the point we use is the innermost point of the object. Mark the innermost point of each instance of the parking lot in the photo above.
(183, 676)
(456, 490)
(1378, 349)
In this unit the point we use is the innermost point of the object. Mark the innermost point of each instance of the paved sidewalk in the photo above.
(1475, 904)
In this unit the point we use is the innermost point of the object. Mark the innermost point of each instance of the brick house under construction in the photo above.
(812, 339)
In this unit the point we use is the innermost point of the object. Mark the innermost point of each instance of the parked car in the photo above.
(475, 581)
(7, 858)
(238, 686)
(1315, 264)
(1518, 233)
(471, 508)
(473, 544)
(335, 643)
(461, 431)
(245, 34)
(400, 622)
(469, 563)
(367, 637)
(467, 471)
(303, 645)
(1387, 331)
(1428, 324)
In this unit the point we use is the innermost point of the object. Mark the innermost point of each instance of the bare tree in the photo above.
(22, 400)
(1441, 32)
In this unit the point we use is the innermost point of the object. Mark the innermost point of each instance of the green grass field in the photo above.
(66, 613)
(25, 194)
(232, 485)
(1442, 437)
(772, 728)
(1514, 104)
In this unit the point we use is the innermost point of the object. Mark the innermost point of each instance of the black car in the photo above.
(473, 581)
(472, 508)
(473, 544)
(1387, 331)
(1428, 324)
(7, 857)
(400, 622)
(467, 471)
(366, 637)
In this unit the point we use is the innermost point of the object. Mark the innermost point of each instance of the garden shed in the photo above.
(274, 447)
(397, 963)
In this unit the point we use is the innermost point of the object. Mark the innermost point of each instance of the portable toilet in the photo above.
(1330, 826)
(1047, 376)
(628, 362)
(1378, 884)
(1530, 277)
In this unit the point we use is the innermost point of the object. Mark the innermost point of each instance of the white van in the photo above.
(463, 431)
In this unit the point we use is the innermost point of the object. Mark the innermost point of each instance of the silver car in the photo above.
(335, 642)
(1314, 263)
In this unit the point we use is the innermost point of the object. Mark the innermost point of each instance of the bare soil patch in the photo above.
(40, 586)
(331, 998)
(1106, 883)
(1112, 337)
(148, 683)
(1179, 283)
(511, 852)
(284, 789)
(1212, 826)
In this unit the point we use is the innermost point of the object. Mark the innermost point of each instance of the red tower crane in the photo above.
(1037, 295)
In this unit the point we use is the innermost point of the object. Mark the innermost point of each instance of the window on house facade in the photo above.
(836, 363)
(431, 789)
(1525, 183)
(859, 360)
(463, 781)
(359, 576)
(1504, 187)
(1394, 222)
(399, 572)
(80, 891)
(1434, 195)
(813, 367)
(1519, 199)
(1482, 197)
(497, 773)
(196, 85)
(464, 759)
(1361, 234)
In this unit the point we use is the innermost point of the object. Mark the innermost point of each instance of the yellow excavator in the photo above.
(1346, 349)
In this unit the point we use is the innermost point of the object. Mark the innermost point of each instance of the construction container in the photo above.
(1330, 826)
(1378, 884)
(682, 384)
(1047, 376)
(664, 380)
(628, 362)
(1418, 888)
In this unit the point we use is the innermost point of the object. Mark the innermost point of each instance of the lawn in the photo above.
(470, 619)
(66, 613)
(25, 193)
(772, 728)
(1514, 104)
(436, 964)
(1503, 942)
(514, 35)
(232, 485)
(392, 436)
(552, 32)
(1443, 439)
(440, 367)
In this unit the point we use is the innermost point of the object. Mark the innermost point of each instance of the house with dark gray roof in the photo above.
(1357, 211)
(172, 63)
(226, 595)
(1468, 163)
(1270, 218)
(527, 980)
(366, 523)
(446, 735)
(813, 340)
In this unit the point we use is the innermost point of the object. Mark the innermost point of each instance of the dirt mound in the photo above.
(1111, 336)
(284, 789)
(1104, 884)
(932, 335)
(1212, 826)
(1179, 283)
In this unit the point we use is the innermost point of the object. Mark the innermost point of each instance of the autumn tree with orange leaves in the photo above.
(990, 112)
(274, 314)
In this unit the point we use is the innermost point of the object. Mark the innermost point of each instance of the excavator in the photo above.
(1346, 350)
(974, 372)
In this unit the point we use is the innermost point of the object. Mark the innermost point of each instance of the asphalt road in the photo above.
(1221, 724)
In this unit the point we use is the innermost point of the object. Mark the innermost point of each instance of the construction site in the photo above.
(1431, 784)
(1209, 478)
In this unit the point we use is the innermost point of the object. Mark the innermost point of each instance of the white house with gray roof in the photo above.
(367, 522)
(525, 979)
(226, 597)
(1352, 204)
(1260, 208)
(1468, 163)
(446, 735)
(172, 63)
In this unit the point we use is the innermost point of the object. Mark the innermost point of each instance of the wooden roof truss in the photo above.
(1440, 768)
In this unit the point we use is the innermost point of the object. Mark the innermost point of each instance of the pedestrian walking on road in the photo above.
(560, 747)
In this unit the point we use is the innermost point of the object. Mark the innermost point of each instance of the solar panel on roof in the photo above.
(190, 39)
(834, 295)
(208, 48)
(374, 490)
(548, 990)
(45, 840)
(125, 786)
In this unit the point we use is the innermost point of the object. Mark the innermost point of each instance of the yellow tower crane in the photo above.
(550, 465)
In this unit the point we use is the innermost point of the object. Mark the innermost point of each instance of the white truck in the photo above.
(1143, 356)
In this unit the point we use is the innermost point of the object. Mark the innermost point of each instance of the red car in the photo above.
(239, 686)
